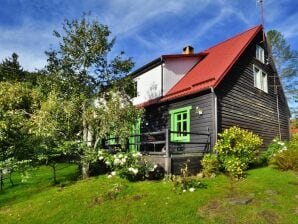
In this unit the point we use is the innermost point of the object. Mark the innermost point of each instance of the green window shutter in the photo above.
(112, 140)
(135, 130)
(180, 121)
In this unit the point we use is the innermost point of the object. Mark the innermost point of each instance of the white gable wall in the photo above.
(175, 69)
(148, 85)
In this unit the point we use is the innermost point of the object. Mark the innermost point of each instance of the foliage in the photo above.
(286, 61)
(84, 69)
(285, 157)
(131, 166)
(185, 182)
(237, 148)
(274, 147)
(11, 70)
(115, 116)
(210, 165)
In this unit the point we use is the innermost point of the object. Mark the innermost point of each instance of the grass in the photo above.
(103, 200)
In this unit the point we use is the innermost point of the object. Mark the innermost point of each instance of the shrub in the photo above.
(286, 158)
(185, 182)
(237, 148)
(131, 166)
(210, 165)
(274, 147)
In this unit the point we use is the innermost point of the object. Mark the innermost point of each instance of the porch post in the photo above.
(168, 155)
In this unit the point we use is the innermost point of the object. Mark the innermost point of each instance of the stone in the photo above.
(270, 192)
(272, 201)
(240, 201)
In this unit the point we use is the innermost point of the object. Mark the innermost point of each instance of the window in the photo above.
(180, 122)
(260, 54)
(260, 79)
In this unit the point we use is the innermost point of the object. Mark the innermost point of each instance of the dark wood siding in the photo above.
(157, 117)
(242, 104)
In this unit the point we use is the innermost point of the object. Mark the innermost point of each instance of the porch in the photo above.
(160, 147)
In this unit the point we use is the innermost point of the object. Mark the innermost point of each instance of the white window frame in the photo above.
(260, 54)
(260, 79)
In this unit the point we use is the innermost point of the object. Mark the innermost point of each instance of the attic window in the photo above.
(260, 79)
(260, 55)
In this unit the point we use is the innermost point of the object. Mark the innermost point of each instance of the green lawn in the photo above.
(273, 195)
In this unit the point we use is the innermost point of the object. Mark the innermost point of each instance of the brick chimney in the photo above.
(188, 50)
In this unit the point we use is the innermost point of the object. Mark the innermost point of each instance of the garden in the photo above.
(230, 189)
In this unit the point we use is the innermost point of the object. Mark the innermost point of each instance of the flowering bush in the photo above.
(285, 157)
(274, 147)
(237, 148)
(235, 167)
(210, 165)
(183, 184)
(131, 166)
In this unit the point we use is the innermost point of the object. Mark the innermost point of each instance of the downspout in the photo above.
(162, 67)
(215, 121)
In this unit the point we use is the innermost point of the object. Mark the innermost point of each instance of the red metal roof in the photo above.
(215, 65)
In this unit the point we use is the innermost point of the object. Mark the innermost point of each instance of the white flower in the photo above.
(191, 189)
(120, 156)
(284, 148)
(108, 163)
(155, 166)
(110, 176)
(281, 143)
(123, 161)
(100, 152)
(274, 140)
(184, 191)
(101, 158)
(133, 170)
(117, 161)
(113, 173)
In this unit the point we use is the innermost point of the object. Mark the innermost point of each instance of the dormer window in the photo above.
(260, 55)
(260, 79)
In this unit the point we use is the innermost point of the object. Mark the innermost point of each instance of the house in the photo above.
(195, 96)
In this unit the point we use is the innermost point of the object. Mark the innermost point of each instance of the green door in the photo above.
(134, 140)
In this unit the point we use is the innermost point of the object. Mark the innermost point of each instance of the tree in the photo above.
(53, 124)
(11, 70)
(83, 68)
(17, 104)
(286, 61)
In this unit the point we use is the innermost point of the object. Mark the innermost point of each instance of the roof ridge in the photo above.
(250, 33)
(237, 35)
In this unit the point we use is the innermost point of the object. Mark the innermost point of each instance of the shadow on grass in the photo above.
(40, 181)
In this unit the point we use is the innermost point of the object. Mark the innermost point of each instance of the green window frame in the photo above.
(180, 121)
(112, 140)
(135, 130)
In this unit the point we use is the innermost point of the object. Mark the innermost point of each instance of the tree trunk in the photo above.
(85, 170)
(54, 173)
(10, 179)
(1, 181)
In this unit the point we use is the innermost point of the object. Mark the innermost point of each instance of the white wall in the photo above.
(175, 69)
(148, 85)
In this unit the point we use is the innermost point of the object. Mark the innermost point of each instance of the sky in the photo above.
(144, 29)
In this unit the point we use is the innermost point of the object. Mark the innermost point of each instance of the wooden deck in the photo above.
(158, 148)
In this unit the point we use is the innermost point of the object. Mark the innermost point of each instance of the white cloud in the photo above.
(29, 41)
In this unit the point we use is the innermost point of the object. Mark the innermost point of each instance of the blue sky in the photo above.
(144, 29)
